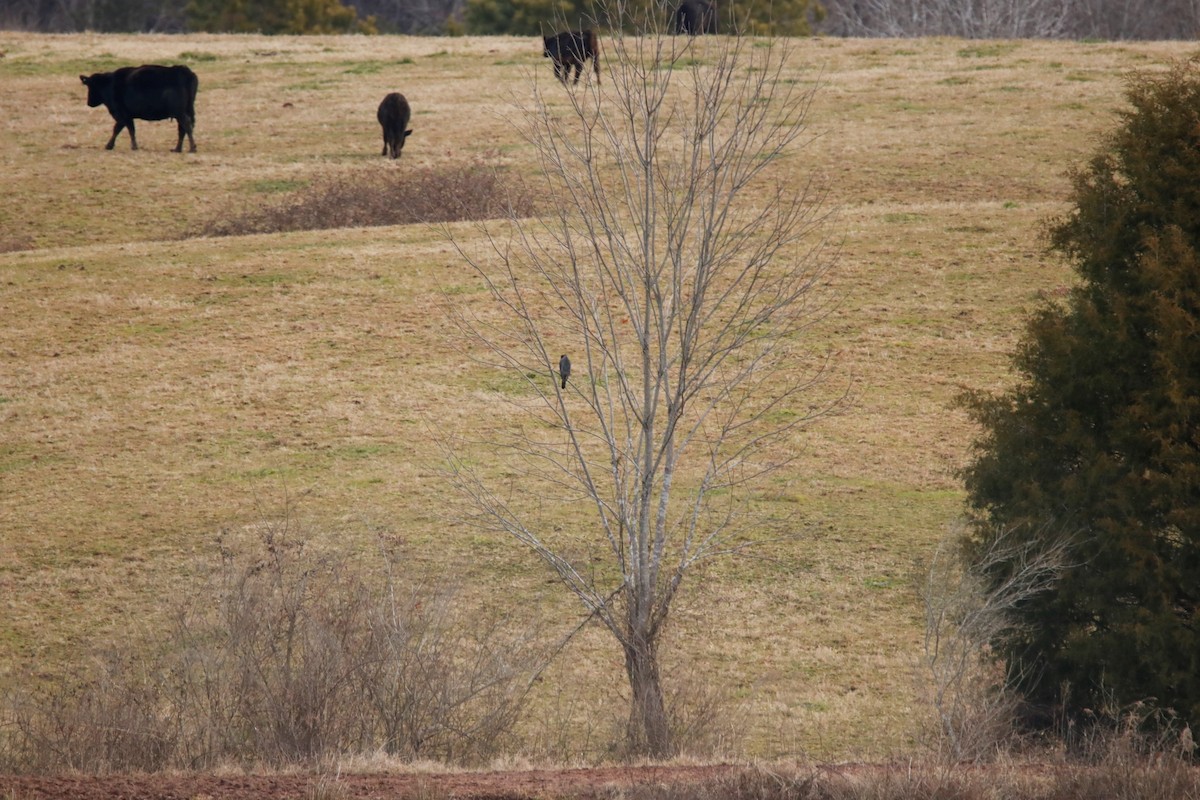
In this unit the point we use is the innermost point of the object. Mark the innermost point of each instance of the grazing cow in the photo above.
(394, 115)
(694, 17)
(149, 92)
(570, 49)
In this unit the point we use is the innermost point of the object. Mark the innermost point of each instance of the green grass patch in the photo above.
(363, 67)
(276, 185)
(987, 50)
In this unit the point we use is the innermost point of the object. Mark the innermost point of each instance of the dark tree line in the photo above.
(231, 16)
(1067, 19)
(65, 16)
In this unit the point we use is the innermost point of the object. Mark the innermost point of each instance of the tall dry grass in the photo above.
(1165, 779)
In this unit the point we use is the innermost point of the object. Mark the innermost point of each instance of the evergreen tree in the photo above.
(771, 17)
(1100, 438)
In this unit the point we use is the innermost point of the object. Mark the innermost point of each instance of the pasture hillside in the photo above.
(158, 387)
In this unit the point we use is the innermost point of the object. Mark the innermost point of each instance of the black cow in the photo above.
(394, 115)
(694, 17)
(570, 49)
(148, 92)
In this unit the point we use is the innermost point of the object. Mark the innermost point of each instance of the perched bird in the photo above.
(564, 369)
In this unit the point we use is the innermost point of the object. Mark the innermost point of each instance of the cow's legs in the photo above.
(118, 126)
(185, 128)
(132, 135)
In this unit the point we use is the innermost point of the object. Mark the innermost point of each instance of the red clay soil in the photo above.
(577, 784)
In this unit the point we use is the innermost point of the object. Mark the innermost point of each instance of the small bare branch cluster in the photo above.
(966, 611)
(287, 656)
(413, 17)
(1009, 19)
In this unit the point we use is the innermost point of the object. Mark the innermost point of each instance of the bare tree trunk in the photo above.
(649, 726)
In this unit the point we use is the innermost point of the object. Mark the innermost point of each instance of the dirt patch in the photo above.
(569, 783)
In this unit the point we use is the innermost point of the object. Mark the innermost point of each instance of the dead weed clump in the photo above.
(285, 655)
(1154, 779)
(371, 198)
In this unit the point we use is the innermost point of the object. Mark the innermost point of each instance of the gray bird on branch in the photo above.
(564, 369)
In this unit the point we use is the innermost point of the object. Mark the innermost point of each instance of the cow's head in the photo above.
(96, 85)
(546, 46)
(403, 138)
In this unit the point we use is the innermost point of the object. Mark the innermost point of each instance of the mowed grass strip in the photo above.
(157, 389)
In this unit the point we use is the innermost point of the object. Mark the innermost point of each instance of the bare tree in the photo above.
(680, 267)
(967, 18)
(966, 611)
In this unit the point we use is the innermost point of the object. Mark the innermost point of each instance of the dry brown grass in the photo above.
(154, 389)
(369, 199)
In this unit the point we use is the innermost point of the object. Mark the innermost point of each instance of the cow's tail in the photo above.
(594, 43)
(193, 86)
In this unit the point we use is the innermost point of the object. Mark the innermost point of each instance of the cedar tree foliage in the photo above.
(1100, 437)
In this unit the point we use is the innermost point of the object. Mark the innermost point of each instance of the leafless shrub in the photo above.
(707, 720)
(964, 614)
(440, 686)
(111, 718)
(370, 198)
(288, 655)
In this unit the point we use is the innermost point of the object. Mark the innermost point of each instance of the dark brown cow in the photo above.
(694, 17)
(570, 49)
(149, 92)
(394, 115)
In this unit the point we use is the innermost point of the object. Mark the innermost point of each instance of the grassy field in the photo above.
(157, 387)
